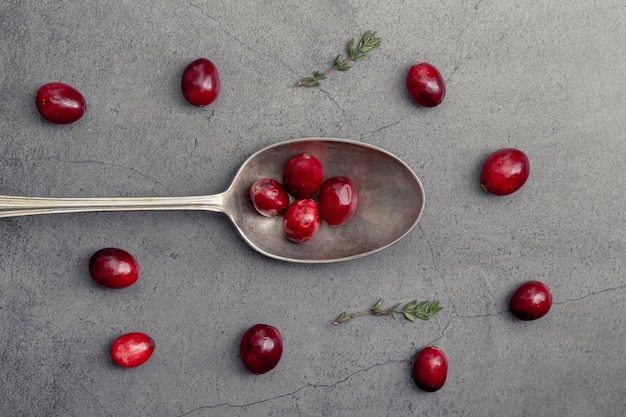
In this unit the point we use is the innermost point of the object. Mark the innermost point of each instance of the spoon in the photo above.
(390, 201)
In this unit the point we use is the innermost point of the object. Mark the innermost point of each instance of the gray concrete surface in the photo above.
(547, 77)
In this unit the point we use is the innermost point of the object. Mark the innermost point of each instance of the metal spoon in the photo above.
(390, 201)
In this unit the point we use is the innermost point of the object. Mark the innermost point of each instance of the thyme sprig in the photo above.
(368, 42)
(412, 311)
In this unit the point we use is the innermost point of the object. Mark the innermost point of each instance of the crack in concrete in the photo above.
(230, 405)
(333, 101)
(209, 117)
(498, 313)
(239, 41)
(389, 125)
(298, 407)
(294, 392)
(456, 317)
(430, 248)
(460, 41)
(591, 294)
(108, 164)
(88, 391)
(435, 267)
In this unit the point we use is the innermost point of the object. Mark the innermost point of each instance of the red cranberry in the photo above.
(303, 175)
(113, 268)
(531, 300)
(301, 221)
(260, 348)
(425, 85)
(504, 171)
(132, 349)
(430, 369)
(200, 82)
(337, 200)
(60, 103)
(269, 197)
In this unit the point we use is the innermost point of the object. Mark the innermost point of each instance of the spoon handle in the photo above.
(11, 206)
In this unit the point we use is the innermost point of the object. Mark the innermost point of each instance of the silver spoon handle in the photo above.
(11, 206)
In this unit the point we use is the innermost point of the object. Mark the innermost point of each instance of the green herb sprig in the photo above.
(368, 42)
(412, 311)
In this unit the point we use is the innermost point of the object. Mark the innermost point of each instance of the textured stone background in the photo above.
(547, 77)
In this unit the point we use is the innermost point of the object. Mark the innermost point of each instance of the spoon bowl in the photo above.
(390, 201)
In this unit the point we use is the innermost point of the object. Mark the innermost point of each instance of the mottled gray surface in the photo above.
(547, 77)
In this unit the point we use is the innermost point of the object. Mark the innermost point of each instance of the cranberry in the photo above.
(430, 369)
(425, 84)
(260, 348)
(269, 197)
(531, 300)
(132, 349)
(303, 175)
(200, 82)
(337, 200)
(504, 171)
(60, 103)
(113, 268)
(301, 221)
